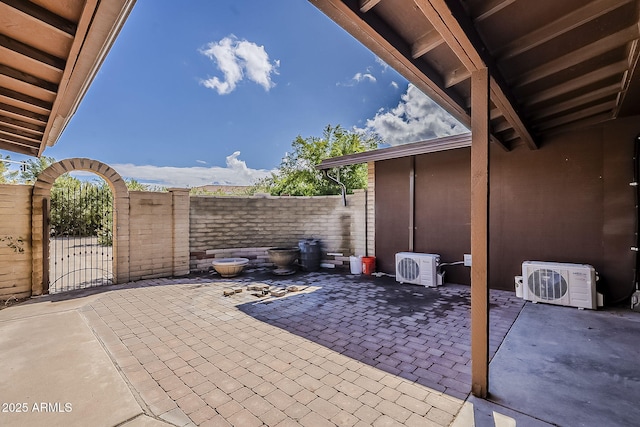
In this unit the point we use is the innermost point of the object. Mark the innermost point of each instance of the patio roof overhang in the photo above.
(50, 51)
(512, 73)
(552, 67)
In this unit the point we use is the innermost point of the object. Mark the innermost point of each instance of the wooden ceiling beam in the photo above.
(629, 75)
(38, 13)
(501, 127)
(580, 124)
(9, 146)
(8, 93)
(23, 113)
(450, 19)
(32, 53)
(579, 115)
(579, 55)
(367, 5)
(456, 76)
(25, 142)
(10, 72)
(20, 124)
(491, 7)
(576, 102)
(10, 130)
(426, 44)
(563, 25)
(577, 83)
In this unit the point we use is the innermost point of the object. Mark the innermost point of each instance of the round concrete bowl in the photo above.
(284, 258)
(230, 267)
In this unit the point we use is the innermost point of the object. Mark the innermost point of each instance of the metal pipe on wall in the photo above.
(412, 203)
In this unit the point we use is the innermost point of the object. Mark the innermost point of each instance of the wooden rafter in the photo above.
(578, 17)
(32, 53)
(20, 124)
(456, 28)
(577, 83)
(579, 115)
(24, 141)
(28, 79)
(23, 113)
(426, 44)
(367, 5)
(559, 107)
(578, 56)
(30, 100)
(10, 146)
(491, 7)
(456, 76)
(30, 135)
(633, 59)
(40, 14)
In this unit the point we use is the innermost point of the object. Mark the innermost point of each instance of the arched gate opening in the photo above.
(84, 251)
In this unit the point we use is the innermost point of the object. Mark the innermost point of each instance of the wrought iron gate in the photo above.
(80, 235)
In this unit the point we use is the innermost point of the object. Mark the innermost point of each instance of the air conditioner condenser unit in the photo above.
(572, 285)
(417, 268)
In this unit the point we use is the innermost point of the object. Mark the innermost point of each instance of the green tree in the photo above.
(298, 176)
(7, 176)
(34, 167)
(81, 208)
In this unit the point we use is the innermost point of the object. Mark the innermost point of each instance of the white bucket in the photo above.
(518, 283)
(356, 264)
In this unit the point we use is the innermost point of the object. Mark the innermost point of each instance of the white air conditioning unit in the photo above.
(572, 285)
(419, 269)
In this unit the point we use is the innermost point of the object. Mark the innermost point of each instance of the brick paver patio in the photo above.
(346, 351)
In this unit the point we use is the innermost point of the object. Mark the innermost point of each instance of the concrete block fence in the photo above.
(222, 227)
(172, 233)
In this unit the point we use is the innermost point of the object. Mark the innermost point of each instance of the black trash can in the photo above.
(309, 254)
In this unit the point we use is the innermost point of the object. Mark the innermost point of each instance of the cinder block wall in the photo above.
(15, 222)
(158, 234)
(248, 226)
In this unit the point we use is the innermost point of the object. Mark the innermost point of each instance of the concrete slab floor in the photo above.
(55, 373)
(570, 367)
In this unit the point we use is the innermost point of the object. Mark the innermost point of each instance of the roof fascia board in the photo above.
(412, 149)
(98, 28)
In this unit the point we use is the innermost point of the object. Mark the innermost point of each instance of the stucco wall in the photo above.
(247, 226)
(158, 234)
(15, 222)
(568, 201)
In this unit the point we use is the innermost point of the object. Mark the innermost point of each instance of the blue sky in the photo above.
(207, 91)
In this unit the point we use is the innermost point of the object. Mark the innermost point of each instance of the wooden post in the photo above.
(480, 232)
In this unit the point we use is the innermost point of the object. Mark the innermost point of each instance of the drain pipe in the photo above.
(342, 186)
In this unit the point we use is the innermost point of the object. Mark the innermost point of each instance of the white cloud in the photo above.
(236, 172)
(416, 118)
(361, 77)
(394, 85)
(202, 162)
(238, 59)
(358, 78)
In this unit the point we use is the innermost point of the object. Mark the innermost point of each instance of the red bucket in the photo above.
(368, 265)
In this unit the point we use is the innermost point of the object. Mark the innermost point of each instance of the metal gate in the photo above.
(80, 224)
